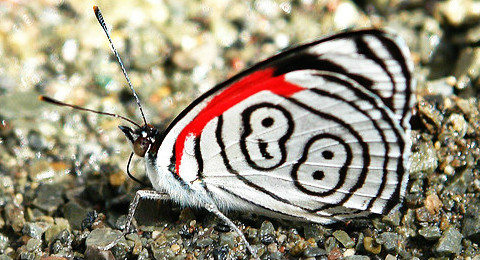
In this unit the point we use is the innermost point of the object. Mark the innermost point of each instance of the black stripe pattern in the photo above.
(336, 149)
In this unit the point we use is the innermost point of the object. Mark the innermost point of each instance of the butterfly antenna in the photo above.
(60, 103)
(99, 16)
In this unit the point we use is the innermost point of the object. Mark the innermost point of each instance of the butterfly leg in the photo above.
(141, 194)
(213, 209)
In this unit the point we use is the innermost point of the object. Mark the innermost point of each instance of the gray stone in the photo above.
(357, 257)
(450, 242)
(204, 242)
(267, 232)
(102, 236)
(393, 218)
(461, 182)
(314, 251)
(34, 244)
(467, 67)
(389, 240)
(440, 86)
(314, 231)
(33, 230)
(55, 230)
(49, 198)
(330, 244)
(93, 252)
(276, 256)
(228, 239)
(471, 224)
(251, 233)
(64, 237)
(37, 141)
(430, 232)
(425, 160)
(143, 255)
(162, 253)
(15, 216)
(75, 214)
(344, 238)
(4, 241)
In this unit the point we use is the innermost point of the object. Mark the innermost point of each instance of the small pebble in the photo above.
(175, 248)
(204, 242)
(54, 230)
(357, 257)
(335, 254)
(314, 252)
(424, 160)
(281, 238)
(4, 242)
(349, 252)
(424, 215)
(471, 224)
(14, 217)
(430, 233)
(49, 197)
(70, 50)
(371, 246)
(34, 244)
(272, 248)
(117, 179)
(330, 244)
(346, 15)
(299, 248)
(267, 233)
(390, 257)
(344, 238)
(450, 242)
(102, 236)
(143, 255)
(228, 239)
(389, 240)
(33, 230)
(433, 203)
(75, 213)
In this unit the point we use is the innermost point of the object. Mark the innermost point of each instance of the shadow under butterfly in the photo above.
(317, 133)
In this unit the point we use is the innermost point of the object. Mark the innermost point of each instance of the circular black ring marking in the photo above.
(319, 174)
(266, 122)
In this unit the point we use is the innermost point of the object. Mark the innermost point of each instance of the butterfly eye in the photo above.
(141, 145)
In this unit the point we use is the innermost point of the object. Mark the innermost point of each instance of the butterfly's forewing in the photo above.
(316, 132)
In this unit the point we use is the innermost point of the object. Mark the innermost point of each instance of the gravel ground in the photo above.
(62, 173)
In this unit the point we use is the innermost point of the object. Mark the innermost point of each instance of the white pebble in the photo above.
(345, 16)
(70, 50)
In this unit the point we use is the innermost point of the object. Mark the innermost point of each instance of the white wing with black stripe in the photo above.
(316, 133)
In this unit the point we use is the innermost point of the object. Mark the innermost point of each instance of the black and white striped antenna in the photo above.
(99, 16)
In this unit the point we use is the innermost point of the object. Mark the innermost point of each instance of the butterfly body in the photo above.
(318, 133)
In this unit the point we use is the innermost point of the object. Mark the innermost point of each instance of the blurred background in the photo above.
(62, 172)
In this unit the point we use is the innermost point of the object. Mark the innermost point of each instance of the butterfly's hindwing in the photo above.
(345, 156)
(317, 132)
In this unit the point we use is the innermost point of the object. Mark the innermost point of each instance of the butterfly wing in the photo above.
(316, 132)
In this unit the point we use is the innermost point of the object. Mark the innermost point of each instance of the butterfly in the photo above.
(317, 133)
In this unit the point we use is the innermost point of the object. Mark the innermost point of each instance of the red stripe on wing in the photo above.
(254, 83)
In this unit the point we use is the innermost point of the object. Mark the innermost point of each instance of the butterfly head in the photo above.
(143, 139)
